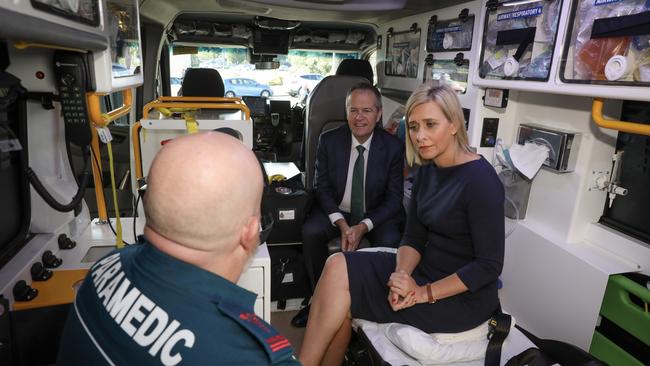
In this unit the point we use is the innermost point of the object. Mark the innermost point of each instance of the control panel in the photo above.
(276, 126)
(72, 76)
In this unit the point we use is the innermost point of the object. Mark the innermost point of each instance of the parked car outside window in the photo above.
(175, 84)
(237, 87)
(304, 84)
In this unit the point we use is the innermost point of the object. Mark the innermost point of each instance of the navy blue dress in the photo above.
(456, 223)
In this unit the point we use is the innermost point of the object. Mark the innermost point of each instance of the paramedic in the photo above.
(174, 299)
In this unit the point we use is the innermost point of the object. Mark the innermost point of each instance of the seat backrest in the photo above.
(325, 110)
(356, 68)
(202, 83)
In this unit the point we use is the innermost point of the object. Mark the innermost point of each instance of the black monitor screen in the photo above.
(281, 106)
(257, 105)
(270, 42)
(84, 11)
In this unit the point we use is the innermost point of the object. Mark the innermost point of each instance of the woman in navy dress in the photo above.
(444, 275)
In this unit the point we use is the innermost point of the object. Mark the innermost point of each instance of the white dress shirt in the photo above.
(344, 205)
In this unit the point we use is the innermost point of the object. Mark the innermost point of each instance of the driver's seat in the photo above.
(202, 82)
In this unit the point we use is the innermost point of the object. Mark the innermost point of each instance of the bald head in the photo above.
(201, 190)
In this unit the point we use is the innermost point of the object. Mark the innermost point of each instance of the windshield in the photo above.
(298, 74)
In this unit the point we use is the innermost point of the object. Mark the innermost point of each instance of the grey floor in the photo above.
(281, 320)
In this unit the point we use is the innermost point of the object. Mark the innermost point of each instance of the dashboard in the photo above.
(277, 128)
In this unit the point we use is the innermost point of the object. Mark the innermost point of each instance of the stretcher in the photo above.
(382, 344)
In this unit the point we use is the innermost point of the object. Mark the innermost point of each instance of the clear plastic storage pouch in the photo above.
(450, 35)
(450, 72)
(519, 39)
(608, 43)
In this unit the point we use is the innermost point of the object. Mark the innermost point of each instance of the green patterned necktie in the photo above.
(356, 200)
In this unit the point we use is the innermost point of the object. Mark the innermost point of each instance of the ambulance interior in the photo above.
(555, 95)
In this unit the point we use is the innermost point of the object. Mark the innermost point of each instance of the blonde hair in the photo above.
(445, 97)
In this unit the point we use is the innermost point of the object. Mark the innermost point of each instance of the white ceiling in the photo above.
(371, 12)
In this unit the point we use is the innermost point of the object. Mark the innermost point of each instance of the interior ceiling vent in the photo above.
(340, 5)
(242, 7)
(324, 1)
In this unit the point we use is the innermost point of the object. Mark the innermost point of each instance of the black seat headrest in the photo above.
(230, 131)
(355, 67)
(202, 83)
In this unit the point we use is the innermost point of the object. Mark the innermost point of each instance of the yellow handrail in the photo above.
(135, 139)
(623, 126)
(97, 177)
(99, 119)
(102, 119)
(196, 103)
(21, 45)
(199, 99)
(164, 104)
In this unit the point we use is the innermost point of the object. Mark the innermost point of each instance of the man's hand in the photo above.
(354, 236)
(403, 291)
(344, 228)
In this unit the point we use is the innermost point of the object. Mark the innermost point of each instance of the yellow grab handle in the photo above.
(169, 105)
(97, 177)
(100, 119)
(629, 127)
(135, 140)
(183, 104)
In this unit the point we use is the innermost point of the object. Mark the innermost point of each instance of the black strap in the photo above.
(557, 352)
(523, 37)
(4, 55)
(626, 25)
(531, 357)
(499, 327)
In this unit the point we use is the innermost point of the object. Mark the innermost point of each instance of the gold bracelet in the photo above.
(430, 294)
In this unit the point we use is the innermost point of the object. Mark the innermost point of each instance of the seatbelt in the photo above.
(530, 357)
(4, 56)
(499, 327)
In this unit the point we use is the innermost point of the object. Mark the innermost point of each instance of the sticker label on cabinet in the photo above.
(605, 2)
(525, 13)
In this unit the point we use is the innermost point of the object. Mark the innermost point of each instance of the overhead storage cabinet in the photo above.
(519, 39)
(451, 72)
(451, 35)
(608, 43)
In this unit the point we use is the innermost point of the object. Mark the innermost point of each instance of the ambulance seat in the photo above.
(202, 82)
(356, 67)
(373, 340)
(325, 111)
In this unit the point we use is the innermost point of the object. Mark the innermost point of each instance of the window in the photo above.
(373, 63)
(298, 74)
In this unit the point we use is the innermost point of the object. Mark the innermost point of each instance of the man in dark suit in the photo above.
(359, 186)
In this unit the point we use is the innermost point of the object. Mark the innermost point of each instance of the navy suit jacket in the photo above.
(384, 190)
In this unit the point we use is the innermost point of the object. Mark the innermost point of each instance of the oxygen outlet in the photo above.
(510, 67)
(617, 67)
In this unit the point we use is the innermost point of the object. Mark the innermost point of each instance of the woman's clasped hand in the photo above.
(403, 292)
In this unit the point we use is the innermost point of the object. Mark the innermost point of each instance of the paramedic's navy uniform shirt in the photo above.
(139, 306)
